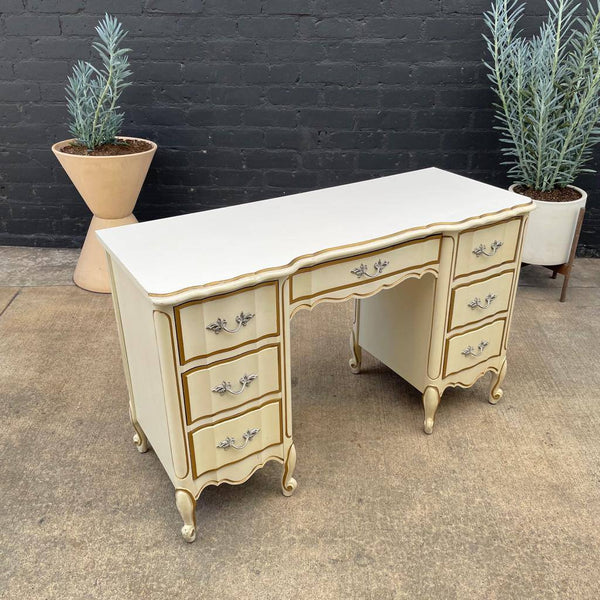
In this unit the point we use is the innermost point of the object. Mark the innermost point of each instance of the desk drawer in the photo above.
(486, 247)
(231, 440)
(480, 299)
(226, 385)
(228, 321)
(469, 349)
(361, 269)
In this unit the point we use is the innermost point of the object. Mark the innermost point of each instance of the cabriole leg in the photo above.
(288, 483)
(139, 439)
(355, 349)
(431, 401)
(186, 505)
(496, 391)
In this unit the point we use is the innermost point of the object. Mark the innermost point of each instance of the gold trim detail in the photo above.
(186, 391)
(190, 434)
(449, 338)
(406, 274)
(504, 262)
(183, 360)
(450, 327)
(217, 482)
(173, 354)
(357, 283)
(274, 270)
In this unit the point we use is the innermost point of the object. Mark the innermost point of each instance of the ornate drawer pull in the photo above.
(480, 250)
(379, 266)
(221, 324)
(476, 302)
(225, 386)
(469, 350)
(229, 442)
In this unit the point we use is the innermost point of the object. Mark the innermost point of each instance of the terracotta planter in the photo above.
(110, 186)
(550, 230)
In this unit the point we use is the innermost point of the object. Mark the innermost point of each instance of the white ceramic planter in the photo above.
(550, 230)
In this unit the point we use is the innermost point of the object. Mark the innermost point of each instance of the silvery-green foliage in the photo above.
(548, 90)
(93, 94)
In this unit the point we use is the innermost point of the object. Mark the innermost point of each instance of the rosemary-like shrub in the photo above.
(548, 91)
(92, 94)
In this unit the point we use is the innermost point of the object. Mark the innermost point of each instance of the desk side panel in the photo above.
(142, 358)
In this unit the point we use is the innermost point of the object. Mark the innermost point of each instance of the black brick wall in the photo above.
(250, 99)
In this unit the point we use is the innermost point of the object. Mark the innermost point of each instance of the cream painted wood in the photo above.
(208, 456)
(363, 268)
(139, 339)
(173, 278)
(220, 387)
(402, 343)
(491, 334)
(469, 261)
(481, 299)
(193, 319)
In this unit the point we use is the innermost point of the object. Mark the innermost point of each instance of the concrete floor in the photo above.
(500, 502)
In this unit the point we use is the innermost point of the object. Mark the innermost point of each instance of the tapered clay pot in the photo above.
(110, 186)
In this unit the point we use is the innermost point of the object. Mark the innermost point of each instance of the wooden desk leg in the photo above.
(355, 349)
(431, 401)
(186, 505)
(496, 390)
(288, 483)
(139, 439)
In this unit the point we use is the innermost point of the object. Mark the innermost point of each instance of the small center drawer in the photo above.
(486, 247)
(228, 321)
(474, 301)
(469, 349)
(349, 272)
(231, 440)
(225, 385)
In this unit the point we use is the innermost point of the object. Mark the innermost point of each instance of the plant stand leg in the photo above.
(569, 265)
(91, 272)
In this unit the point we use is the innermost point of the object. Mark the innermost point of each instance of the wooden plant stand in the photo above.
(565, 269)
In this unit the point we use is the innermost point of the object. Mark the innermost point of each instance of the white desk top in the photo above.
(168, 255)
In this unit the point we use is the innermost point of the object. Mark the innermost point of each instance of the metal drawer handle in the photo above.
(221, 324)
(225, 386)
(379, 266)
(476, 302)
(470, 351)
(229, 442)
(480, 250)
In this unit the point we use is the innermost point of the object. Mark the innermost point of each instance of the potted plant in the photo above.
(107, 169)
(548, 111)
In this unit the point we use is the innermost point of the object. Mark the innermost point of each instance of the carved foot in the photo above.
(139, 439)
(356, 351)
(186, 505)
(496, 391)
(288, 483)
(431, 401)
(141, 442)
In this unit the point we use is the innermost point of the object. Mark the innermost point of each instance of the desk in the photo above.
(204, 301)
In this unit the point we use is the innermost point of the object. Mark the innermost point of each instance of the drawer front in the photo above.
(469, 349)
(225, 322)
(231, 440)
(475, 301)
(230, 384)
(487, 247)
(364, 268)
